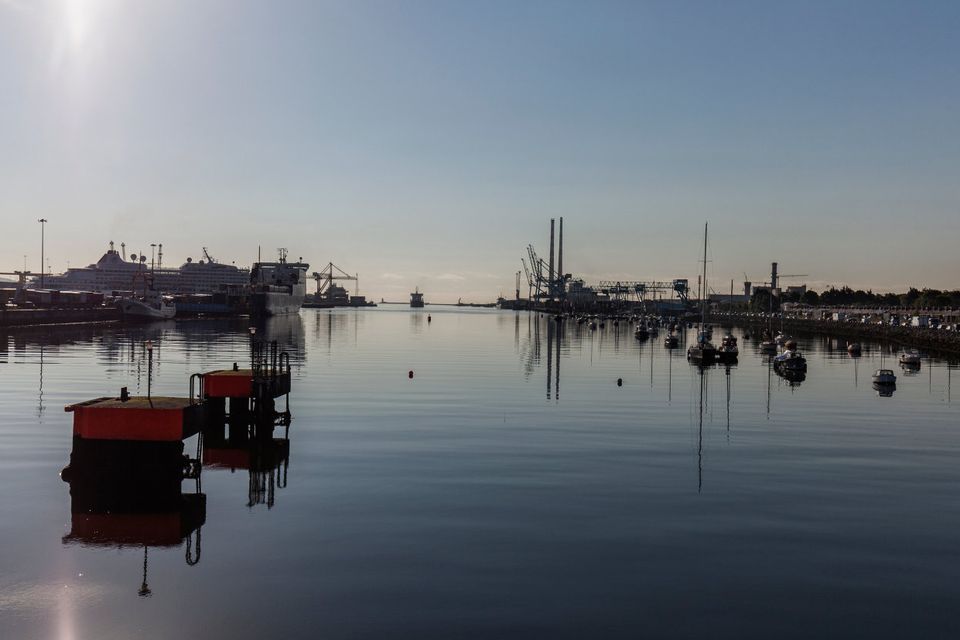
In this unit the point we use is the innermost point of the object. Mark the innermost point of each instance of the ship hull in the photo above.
(275, 303)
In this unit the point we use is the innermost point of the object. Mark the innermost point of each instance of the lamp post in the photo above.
(43, 224)
(149, 346)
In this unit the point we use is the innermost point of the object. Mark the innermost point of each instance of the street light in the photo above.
(43, 224)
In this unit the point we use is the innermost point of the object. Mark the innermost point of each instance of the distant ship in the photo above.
(113, 272)
(277, 288)
(416, 298)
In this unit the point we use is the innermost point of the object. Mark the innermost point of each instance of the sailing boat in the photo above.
(703, 352)
(884, 380)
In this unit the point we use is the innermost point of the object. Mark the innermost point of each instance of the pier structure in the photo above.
(127, 463)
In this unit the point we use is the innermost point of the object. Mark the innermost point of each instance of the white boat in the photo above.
(884, 376)
(781, 338)
(910, 358)
(155, 307)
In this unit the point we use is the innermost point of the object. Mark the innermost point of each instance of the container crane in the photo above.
(331, 272)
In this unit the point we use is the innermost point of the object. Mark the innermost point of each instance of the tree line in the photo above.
(845, 296)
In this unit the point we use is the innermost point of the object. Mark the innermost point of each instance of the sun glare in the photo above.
(76, 16)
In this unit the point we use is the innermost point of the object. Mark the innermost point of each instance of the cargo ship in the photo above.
(416, 299)
(277, 288)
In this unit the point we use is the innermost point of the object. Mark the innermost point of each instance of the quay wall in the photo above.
(26, 317)
(920, 338)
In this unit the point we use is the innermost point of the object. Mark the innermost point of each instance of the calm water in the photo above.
(510, 489)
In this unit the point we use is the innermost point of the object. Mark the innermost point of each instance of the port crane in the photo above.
(331, 272)
(529, 279)
(544, 283)
(624, 289)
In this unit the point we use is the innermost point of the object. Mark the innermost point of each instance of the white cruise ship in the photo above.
(113, 273)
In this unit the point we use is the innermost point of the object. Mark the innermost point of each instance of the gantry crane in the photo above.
(332, 272)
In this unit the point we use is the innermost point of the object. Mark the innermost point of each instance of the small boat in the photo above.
(641, 333)
(781, 339)
(768, 346)
(703, 352)
(671, 341)
(884, 377)
(593, 325)
(910, 358)
(790, 361)
(149, 307)
(728, 351)
(854, 349)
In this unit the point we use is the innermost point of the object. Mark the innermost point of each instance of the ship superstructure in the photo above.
(277, 288)
(114, 273)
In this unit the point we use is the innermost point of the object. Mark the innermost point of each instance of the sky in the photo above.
(425, 144)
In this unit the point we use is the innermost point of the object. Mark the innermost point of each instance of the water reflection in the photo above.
(703, 386)
(129, 494)
(554, 340)
(884, 390)
(470, 503)
(266, 461)
(127, 463)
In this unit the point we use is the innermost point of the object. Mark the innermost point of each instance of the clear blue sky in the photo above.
(426, 143)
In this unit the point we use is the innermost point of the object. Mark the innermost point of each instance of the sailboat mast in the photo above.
(703, 305)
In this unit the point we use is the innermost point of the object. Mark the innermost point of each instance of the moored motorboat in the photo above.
(910, 358)
(791, 361)
(671, 341)
(884, 377)
(854, 349)
(728, 351)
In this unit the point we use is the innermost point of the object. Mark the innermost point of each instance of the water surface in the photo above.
(509, 489)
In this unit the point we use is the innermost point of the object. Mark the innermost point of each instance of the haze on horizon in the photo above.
(427, 143)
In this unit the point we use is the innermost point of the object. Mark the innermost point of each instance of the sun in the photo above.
(77, 15)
